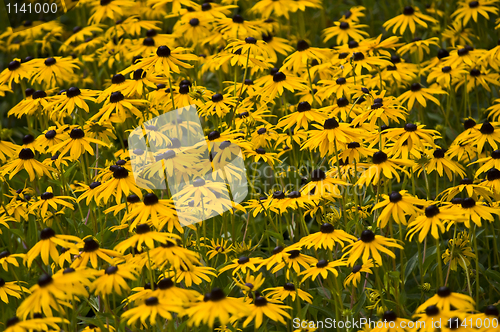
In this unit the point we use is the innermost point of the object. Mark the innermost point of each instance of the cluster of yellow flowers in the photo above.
(377, 132)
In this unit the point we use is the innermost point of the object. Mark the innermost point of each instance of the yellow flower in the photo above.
(344, 31)
(447, 300)
(471, 9)
(215, 305)
(264, 307)
(53, 71)
(152, 308)
(420, 94)
(368, 245)
(47, 246)
(48, 199)
(410, 18)
(112, 280)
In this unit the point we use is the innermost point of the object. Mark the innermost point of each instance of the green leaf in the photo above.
(359, 304)
(274, 234)
(410, 266)
(17, 232)
(70, 169)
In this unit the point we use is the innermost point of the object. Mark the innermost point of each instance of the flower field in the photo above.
(242, 165)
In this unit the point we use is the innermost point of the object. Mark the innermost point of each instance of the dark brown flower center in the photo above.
(163, 51)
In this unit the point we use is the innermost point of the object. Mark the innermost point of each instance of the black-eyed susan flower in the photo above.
(341, 87)
(195, 29)
(91, 251)
(16, 71)
(15, 324)
(447, 300)
(420, 94)
(408, 19)
(489, 314)
(340, 134)
(442, 164)
(166, 289)
(192, 274)
(287, 290)
(249, 45)
(54, 71)
(112, 9)
(478, 77)
(344, 31)
(327, 238)
(46, 296)
(419, 46)
(397, 205)
(458, 34)
(215, 305)
(264, 136)
(122, 183)
(477, 211)
(118, 83)
(100, 130)
(26, 160)
(70, 100)
(304, 54)
(242, 264)
(263, 307)
(117, 108)
(446, 76)
(463, 54)
(323, 267)
(472, 9)
(11, 288)
(250, 283)
(237, 26)
(433, 221)
(279, 83)
(202, 192)
(112, 280)
(432, 313)
(302, 116)
(152, 208)
(354, 152)
(461, 247)
(359, 61)
(383, 166)
(218, 247)
(357, 271)
(492, 181)
(278, 255)
(368, 245)
(294, 260)
(76, 144)
(219, 105)
(385, 108)
(75, 282)
(151, 309)
(165, 61)
(48, 199)
(49, 138)
(47, 246)
(486, 134)
(144, 236)
(7, 259)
